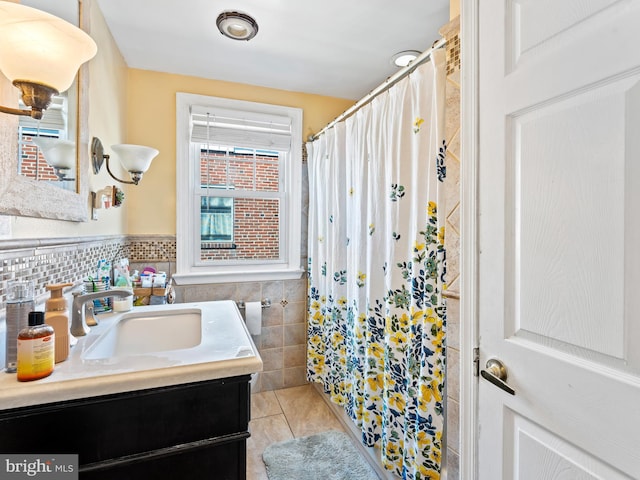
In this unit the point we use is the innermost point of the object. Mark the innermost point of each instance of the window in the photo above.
(216, 221)
(238, 169)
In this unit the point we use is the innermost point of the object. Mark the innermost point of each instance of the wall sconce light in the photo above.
(40, 54)
(60, 154)
(136, 159)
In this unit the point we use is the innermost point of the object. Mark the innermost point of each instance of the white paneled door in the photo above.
(559, 239)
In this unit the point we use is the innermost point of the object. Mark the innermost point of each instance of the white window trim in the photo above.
(187, 270)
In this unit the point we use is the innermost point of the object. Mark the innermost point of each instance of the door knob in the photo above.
(496, 373)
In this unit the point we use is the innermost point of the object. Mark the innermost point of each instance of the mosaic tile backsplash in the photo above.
(53, 261)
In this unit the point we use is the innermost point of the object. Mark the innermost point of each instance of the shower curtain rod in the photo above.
(388, 83)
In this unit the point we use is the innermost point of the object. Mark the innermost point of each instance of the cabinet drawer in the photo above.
(224, 461)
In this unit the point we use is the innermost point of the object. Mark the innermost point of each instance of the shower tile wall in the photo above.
(451, 32)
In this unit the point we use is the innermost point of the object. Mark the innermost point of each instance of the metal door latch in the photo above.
(496, 373)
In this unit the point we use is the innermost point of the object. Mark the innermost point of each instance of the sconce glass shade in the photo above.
(57, 152)
(135, 158)
(39, 48)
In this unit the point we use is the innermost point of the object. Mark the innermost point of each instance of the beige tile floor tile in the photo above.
(264, 432)
(306, 411)
(264, 404)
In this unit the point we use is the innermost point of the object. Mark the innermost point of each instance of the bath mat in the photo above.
(325, 456)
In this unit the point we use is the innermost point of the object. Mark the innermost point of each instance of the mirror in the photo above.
(59, 193)
(46, 147)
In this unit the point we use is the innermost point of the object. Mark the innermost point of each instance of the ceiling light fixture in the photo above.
(404, 58)
(236, 25)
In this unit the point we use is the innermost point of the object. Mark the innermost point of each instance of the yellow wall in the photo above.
(151, 120)
(107, 115)
(454, 9)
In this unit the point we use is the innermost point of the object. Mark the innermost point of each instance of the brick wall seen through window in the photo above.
(240, 227)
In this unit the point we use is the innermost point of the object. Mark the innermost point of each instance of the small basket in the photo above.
(143, 295)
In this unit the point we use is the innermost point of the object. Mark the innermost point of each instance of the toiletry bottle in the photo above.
(57, 316)
(36, 351)
(19, 303)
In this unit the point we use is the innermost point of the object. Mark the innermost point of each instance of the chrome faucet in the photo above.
(79, 326)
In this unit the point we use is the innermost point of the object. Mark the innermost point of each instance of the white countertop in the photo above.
(226, 350)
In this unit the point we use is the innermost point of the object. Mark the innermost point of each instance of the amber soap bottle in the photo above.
(36, 349)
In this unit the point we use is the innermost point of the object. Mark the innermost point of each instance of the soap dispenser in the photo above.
(57, 316)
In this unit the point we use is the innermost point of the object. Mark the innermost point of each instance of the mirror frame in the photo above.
(26, 197)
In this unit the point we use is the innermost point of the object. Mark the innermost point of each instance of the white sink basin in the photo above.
(205, 335)
(149, 332)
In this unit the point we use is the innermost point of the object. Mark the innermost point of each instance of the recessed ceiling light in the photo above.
(236, 25)
(402, 59)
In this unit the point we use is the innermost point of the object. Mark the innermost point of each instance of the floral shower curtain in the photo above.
(376, 270)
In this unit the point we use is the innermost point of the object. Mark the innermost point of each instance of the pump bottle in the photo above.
(56, 315)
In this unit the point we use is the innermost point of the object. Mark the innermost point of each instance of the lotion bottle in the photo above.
(35, 349)
(56, 315)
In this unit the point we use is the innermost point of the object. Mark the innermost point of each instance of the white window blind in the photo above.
(240, 128)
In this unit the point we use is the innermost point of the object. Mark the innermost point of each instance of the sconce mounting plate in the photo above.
(97, 155)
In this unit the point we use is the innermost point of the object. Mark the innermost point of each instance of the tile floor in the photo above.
(280, 415)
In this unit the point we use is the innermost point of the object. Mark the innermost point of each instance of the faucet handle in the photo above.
(89, 317)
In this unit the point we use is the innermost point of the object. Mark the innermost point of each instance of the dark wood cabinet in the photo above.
(195, 431)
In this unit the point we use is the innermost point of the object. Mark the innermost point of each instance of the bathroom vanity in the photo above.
(195, 431)
(161, 414)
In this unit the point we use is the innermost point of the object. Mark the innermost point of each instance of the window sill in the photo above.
(232, 277)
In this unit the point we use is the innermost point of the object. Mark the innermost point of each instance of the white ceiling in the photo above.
(339, 48)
